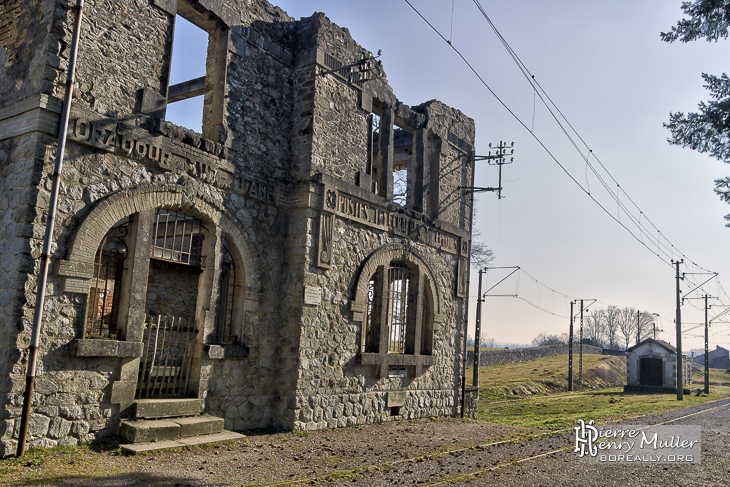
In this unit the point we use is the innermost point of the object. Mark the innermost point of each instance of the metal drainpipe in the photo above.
(46, 255)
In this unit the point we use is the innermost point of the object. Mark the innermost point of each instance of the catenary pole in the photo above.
(680, 364)
(707, 351)
(50, 220)
(570, 350)
(478, 330)
(580, 348)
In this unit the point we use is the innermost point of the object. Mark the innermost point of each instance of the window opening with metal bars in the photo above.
(225, 332)
(105, 292)
(177, 238)
(399, 277)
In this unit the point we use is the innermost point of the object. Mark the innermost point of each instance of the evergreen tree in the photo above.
(706, 131)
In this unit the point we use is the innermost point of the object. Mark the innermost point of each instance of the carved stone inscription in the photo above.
(111, 136)
(397, 223)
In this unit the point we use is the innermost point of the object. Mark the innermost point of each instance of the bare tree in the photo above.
(595, 327)
(611, 320)
(544, 339)
(481, 254)
(627, 324)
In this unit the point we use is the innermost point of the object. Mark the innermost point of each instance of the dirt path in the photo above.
(423, 452)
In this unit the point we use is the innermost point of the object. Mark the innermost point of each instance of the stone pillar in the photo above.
(421, 171)
(133, 304)
(205, 312)
(385, 143)
(434, 168)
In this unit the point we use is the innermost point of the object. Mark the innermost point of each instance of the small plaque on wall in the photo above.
(312, 295)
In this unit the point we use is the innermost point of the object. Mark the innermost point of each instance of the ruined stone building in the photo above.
(301, 263)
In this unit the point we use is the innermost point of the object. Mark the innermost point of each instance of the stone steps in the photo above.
(171, 423)
(135, 448)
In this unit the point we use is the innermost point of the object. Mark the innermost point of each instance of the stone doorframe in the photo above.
(140, 204)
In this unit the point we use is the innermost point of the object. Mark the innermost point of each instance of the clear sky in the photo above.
(607, 71)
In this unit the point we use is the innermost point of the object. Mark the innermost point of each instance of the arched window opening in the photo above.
(224, 329)
(105, 292)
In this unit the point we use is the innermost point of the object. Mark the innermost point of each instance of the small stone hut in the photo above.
(652, 366)
(299, 263)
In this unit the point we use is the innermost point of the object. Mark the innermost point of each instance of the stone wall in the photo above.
(508, 356)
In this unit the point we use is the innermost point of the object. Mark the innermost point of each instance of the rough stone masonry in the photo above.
(301, 263)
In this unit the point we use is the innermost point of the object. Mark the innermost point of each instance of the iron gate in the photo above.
(164, 369)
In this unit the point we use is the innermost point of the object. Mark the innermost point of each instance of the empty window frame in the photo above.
(373, 149)
(187, 75)
(402, 166)
(198, 70)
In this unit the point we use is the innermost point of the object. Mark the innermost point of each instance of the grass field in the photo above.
(534, 394)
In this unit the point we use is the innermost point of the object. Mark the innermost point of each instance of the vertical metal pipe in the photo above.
(50, 220)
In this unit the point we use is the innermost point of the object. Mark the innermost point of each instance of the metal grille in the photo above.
(369, 345)
(177, 238)
(105, 292)
(398, 286)
(227, 298)
(164, 369)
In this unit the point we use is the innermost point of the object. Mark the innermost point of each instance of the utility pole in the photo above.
(638, 327)
(680, 364)
(499, 159)
(580, 347)
(707, 354)
(478, 330)
(570, 350)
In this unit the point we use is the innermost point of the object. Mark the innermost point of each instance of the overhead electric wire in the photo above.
(666, 252)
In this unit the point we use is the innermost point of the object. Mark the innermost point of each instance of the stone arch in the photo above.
(383, 256)
(106, 213)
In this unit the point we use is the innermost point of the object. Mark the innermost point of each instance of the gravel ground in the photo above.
(415, 453)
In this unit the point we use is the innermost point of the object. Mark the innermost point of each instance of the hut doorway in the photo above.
(651, 372)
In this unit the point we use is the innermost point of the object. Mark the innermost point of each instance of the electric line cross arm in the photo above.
(499, 158)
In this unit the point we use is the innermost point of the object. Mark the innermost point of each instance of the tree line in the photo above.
(610, 327)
